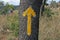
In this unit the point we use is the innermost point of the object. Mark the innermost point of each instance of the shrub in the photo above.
(13, 23)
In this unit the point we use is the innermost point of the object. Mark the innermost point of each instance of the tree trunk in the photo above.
(24, 4)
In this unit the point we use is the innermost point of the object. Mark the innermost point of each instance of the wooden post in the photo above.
(34, 7)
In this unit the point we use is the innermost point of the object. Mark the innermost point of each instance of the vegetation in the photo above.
(53, 4)
(6, 9)
(47, 12)
(49, 29)
(9, 25)
(13, 22)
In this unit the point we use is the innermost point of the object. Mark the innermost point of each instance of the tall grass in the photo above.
(13, 22)
(49, 26)
(9, 25)
(50, 29)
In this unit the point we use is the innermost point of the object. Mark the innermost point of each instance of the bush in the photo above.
(5, 9)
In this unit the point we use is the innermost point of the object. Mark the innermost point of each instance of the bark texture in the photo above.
(24, 4)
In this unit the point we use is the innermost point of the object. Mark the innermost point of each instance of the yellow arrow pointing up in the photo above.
(29, 12)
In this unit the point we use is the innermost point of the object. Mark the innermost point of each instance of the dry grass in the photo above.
(50, 27)
(5, 33)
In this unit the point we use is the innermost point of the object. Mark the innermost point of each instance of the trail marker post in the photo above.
(29, 19)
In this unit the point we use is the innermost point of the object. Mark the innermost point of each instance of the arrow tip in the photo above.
(28, 34)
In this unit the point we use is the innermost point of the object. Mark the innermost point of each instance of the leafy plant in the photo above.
(13, 23)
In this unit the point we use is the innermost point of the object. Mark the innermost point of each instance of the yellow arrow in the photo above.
(29, 12)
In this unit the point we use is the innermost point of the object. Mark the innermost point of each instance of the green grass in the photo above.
(13, 22)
